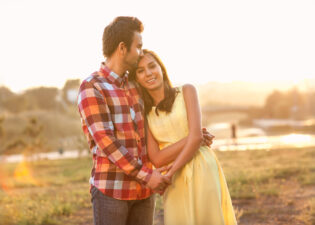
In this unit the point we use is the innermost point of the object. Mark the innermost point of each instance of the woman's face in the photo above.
(149, 73)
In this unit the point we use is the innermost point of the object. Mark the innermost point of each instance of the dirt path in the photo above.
(289, 208)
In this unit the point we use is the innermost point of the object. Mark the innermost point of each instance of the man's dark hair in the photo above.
(120, 30)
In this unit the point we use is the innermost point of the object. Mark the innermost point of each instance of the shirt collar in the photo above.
(112, 76)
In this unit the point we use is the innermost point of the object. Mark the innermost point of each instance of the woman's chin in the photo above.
(152, 87)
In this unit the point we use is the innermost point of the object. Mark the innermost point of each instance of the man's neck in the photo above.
(115, 66)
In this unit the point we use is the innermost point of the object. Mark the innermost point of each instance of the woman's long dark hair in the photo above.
(169, 91)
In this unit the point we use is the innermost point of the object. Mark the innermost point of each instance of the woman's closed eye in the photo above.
(152, 66)
(139, 71)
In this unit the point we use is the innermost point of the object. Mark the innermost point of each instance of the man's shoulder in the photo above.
(133, 87)
(97, 81)
(93, 78)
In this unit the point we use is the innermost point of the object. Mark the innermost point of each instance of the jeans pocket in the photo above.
(94, 192)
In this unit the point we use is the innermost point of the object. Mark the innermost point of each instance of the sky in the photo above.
(44, 43)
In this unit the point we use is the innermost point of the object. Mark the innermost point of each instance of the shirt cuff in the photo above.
(144, 174)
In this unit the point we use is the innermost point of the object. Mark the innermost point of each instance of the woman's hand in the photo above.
(170, 173)
(168, 177)
(207, 138)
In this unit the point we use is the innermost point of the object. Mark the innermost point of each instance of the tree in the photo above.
(16, 104)
(5, 93)
(271, 105)
(1, 127)
(42, 98)
(33, 132)
(70, 88)
(285, 105)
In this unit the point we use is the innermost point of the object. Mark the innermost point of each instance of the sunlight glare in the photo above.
(296, 139)
(23, 174)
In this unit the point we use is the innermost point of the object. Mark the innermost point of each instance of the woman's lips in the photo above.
(151, 81)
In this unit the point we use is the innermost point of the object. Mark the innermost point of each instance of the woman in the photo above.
(198, 194)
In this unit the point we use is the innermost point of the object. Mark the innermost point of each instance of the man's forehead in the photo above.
(137, 37)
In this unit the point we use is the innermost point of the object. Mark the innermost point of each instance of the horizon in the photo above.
(303, 85)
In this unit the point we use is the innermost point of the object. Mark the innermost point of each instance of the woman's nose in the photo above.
(148, 72)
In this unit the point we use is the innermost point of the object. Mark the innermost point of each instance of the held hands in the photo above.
(207, 138)
(158, 182)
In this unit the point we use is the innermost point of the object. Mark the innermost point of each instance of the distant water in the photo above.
(256, 138)
(227, 144)
(265, 142)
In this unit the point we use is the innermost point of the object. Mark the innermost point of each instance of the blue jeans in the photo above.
(111, 211)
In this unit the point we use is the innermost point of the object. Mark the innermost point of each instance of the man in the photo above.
(111, 114)
(122, 180)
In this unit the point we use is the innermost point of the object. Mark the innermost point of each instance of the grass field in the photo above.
(267, 187)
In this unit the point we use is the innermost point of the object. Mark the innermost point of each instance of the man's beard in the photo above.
(132, 66)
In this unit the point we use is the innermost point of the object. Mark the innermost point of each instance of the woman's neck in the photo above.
(157, 94)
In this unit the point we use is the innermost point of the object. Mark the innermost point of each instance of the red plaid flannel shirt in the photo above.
(112, 120)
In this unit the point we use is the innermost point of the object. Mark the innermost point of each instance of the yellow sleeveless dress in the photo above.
(199, 194)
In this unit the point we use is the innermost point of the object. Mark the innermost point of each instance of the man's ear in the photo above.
(122, 48)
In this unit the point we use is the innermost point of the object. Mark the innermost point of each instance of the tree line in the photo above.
(291, 104)
(38, 98)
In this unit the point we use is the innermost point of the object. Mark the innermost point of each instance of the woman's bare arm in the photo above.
(194, 138)
(166, 155)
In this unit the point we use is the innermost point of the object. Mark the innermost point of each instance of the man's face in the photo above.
(135, 51)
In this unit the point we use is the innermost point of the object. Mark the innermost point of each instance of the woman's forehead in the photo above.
(147, 58)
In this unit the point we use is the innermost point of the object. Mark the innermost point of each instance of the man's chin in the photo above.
(132, 66)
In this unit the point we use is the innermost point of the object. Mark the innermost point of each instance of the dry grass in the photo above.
(43, 192)
(267, 187)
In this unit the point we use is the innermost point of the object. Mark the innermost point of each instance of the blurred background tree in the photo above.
(33, 134)
(47, 117)
(1, 127)
(287, 105)
(70, 91)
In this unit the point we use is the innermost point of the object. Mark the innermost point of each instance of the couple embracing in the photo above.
(145, 137)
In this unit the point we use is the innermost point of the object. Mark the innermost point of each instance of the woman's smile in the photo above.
(152, 80)
(149, 74)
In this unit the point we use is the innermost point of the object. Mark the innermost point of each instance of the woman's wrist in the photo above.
(170, 173)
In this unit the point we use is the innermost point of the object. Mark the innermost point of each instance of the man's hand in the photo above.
(207, 138)
(159, 182)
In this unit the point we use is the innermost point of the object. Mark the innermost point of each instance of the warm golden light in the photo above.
(23, 174)
(296, 139)
(3, 180)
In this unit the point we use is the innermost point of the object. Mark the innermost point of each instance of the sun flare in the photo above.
(295, 139)
(23, 173)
